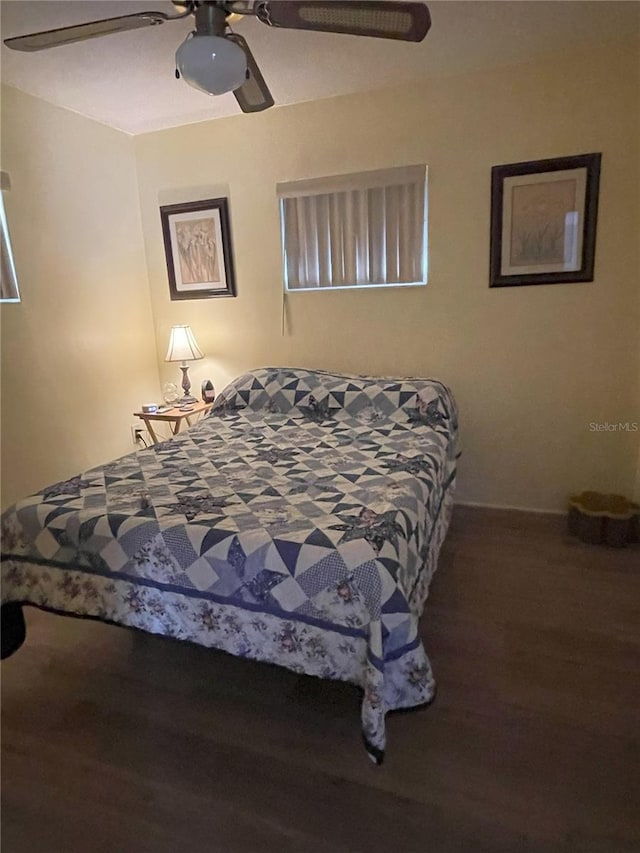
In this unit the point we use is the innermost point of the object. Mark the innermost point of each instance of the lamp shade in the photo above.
(212, 64)
(182, 345)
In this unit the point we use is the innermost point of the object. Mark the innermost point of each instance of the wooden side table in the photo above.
(174, 417)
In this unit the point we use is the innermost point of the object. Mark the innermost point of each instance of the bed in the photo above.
(299, 523)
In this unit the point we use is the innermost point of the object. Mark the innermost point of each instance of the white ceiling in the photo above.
(127, 80)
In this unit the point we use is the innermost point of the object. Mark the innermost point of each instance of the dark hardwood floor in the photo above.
(116, 741)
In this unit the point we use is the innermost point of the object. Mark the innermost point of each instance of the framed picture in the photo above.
(543, 221)
(197, 244)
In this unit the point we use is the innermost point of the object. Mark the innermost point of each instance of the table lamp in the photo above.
(183, 347)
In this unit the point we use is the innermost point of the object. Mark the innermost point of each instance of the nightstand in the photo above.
(174, 417)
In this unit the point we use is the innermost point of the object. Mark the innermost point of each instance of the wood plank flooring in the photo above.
(114, 741)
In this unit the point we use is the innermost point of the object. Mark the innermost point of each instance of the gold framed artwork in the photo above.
(543, 221)
(197, 245)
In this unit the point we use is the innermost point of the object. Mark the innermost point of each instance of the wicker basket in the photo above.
(604, 519)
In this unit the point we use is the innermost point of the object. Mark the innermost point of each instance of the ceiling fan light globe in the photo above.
(212, 64)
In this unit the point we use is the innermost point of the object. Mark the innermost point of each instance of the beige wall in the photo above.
(531, 367)
(78, 353)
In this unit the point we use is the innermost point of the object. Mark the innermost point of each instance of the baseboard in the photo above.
(476, 505)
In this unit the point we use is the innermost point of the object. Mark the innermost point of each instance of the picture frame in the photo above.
(197, 245)
(543, 221)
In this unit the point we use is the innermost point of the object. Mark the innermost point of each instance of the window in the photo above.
(361, 230)
(8, 280)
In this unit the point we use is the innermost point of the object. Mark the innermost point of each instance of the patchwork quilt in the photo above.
(299, 523)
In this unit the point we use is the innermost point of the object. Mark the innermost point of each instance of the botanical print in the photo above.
(288, 526)
(543, 221)
(199, 256)
(540, 216)
(198, 249)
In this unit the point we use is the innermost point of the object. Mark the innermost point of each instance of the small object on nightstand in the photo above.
(149, 408)
(170, 393)
(208, 391)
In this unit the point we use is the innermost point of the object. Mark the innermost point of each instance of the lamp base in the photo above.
(185, 401)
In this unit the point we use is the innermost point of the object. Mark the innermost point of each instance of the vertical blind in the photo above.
(355, 230)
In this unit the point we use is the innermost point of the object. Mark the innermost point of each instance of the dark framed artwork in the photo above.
(197, 245)
(543, 221)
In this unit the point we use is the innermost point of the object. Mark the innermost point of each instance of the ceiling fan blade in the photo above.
(405, 21)
(254, 95)
(93, 29)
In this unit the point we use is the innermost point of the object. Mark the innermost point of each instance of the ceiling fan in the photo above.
(216, 60)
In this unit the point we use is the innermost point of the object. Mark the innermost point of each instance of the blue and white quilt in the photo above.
(299, 523)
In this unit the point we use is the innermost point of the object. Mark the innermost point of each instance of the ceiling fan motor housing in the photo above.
(211, 20)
